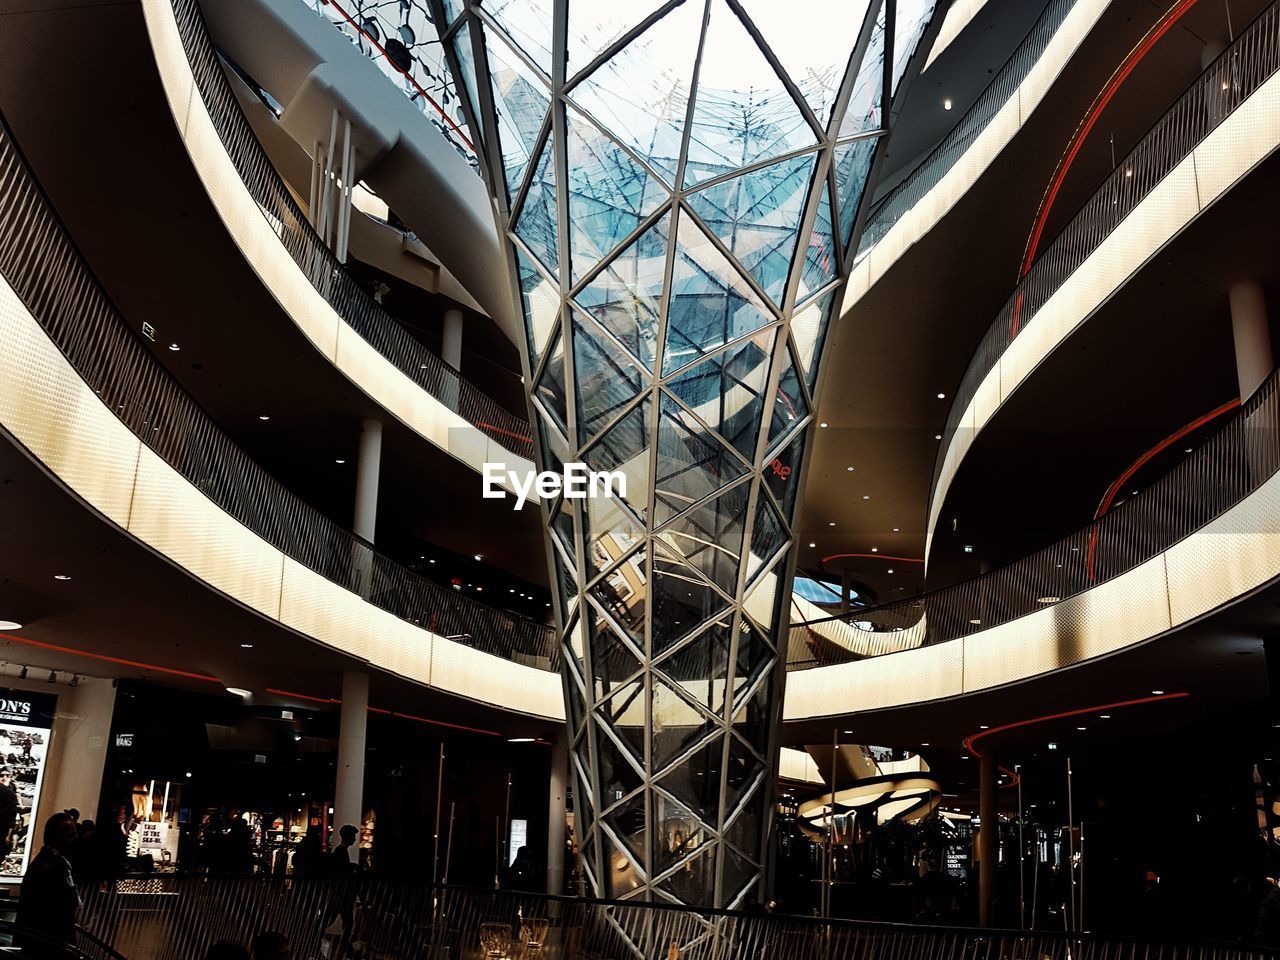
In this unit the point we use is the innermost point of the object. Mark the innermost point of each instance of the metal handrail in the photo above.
(943, 158)
(1241, 69)
(322, 268)
(48, 273)
(1226, 468)
(178, 917)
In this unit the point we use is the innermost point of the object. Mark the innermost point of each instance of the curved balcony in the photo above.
(1202, 536)
(1221, 127)
(82, 395)
(915, 205)
(339, 317)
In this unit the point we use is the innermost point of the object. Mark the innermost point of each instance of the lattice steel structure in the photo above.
(680, 183)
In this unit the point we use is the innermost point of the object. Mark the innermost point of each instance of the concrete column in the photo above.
(1252, 335)
(77, 751)
(368, 467)
(348, 793)
(988, 838)
(451, 351)
(555, 815)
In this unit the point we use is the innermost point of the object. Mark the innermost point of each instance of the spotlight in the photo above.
(53, 676)
(75, 680)
(22, 674)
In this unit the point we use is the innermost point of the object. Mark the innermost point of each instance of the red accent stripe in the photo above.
(509, 433)
(871, 556)
(329, 701)
(971, 740)
(108, 659)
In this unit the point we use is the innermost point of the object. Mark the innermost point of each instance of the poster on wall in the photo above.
(26, 720)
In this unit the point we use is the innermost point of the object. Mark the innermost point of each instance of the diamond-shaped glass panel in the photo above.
(767, 538)
(528, 23)
(752, 719)
(789, 404)
(780, 474)
(609, 193)
(710, 537)
(618, 775)
(680, 833)
(562, 525)
(628, 823)
(622, 594)
(521, 100)
(582, 760)
(626, 296)
(692, 463)
(624, 712)
(753, 657)
(621, 875)
(610, 531)
(701, 667)
(761, 601)
(605, 380)
(757, 216)
(625, 447)
(739, 774)
(711, 304)
(742, 112)
(726, 391)
(540, 299)
(744, 832)
(682, 602)
(550, 389)
(641, 93)
(863, 112)
(816, 60)
(566, 589)
(677, 724)
(853, 163)
(820, 261)
(738, 874)
(536, 222)
(808, 328)
(695, 781)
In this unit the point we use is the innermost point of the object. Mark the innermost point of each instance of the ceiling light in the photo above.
(937, 436)
(848, 469)
(1188, 450)
(875, 549)
(520, 740)
(53, 676)
(1157, 693)
(1047, 599)
(896, 530)
(831, 523)
(1053, 746)
(983, 726)
(866, 496)
(891, 570)
(968, 548)
(964, 756)
(479, 557)
(239, 691)
(942, 396)
(1080, 728)
(22, 674)
(10, 625)
(263, 416)
(62, 576)
(246, 646)
(813, 544)
(946, 103)
(1104, 716)
(924, 744)
(823, 424)
(1128, 171)
(339, 461)
(297, 738)
(174, 347)
(188, 774)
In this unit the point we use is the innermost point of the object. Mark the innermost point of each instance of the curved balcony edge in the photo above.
(392, 384)
(1035, 322)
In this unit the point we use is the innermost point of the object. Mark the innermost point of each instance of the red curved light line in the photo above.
(1113, 84)
(109, 659)
(509, 433)
(1138, 464)
(329, 701)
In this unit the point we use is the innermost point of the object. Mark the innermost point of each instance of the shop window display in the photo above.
(26, 720)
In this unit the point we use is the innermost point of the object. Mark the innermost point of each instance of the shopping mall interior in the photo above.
(639, 479)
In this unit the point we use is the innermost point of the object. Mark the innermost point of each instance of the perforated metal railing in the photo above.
(1003, 86)
(42, 265)
(331, 280)
(1216, 476)
(178, 918)
(1239, 71)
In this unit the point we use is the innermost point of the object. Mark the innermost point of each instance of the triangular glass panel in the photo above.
(816, 60)
(701, 667)
(761, 603)
(820, 261)
(742, 113)
(739, 774)
(809, 329)
(618, 774)
(550, 389)
(864, 113)
(625, 447)
(781, 475)
(853, 164)
(682, 602)
(621, 594)
(609, 193)
(605, 380)
(757, 216)
(582, 758)
(738, 874)
(753, 720)
(744, 832)
(711, 304)
(726, 391)
(641, 93)
(624, 712)
(536, 223)
(610, 532)
(692, 463)
(562, 525)
(695, 781)
(467, 61)
(753, 657)
(577, 707)
(767, 538)
(709, 537)
(626, 296)
(520, 100)
(910, 18)
(789, 404)
(697, 876)
(627, 822)
(528, 23)
(566, 588)
(681, 833)
(540, 298)
(621, 875)
(594, 25)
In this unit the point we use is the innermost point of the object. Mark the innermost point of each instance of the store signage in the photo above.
(124, 739)
(26, 720)
(16, 711)
(577, 482)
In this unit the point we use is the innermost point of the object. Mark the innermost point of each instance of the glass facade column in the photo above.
(679, 183)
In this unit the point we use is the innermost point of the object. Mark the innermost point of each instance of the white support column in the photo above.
(451, 352)
(348, 793)
(368, 469)
(556, 815)
(77, 750)
(1252, 335)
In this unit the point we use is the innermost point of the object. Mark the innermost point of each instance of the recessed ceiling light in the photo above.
(937, 436)
(813, 544)
(831, 523)
(983, 726)
(823, 424)
(174, 347)
(10, 625)
(478, 557)
(924, 744)
(246, 646)
(848, 469)
(239, 691)
(263, 416)
(1104, 716)
(1157, 693)
(1047, 599)
(897, 530)
(520, 740)
(1080, 728)
(942, 396)
(968, 548)
(946, 103)
(62, 576)
(866, 496)
(1053, 746)
(339, 461)
(891, 569)
(875, 549)
(1188, 450)
(1129, 170)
